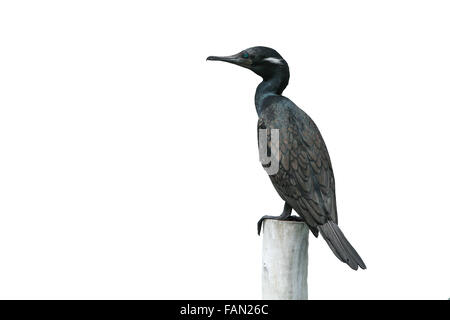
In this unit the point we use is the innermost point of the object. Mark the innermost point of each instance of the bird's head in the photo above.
(264, 61)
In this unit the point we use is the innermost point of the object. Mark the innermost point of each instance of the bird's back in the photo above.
(305, 177)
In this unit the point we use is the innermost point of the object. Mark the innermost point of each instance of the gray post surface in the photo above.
(285, 260)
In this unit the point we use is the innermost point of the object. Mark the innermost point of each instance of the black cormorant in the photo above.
(304, 179)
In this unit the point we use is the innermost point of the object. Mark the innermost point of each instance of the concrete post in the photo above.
(285, 260)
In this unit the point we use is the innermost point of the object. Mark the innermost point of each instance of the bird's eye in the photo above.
(245, 55)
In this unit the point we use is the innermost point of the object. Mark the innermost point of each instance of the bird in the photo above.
(304, 178)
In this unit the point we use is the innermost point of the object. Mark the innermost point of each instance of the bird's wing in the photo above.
(305, 177)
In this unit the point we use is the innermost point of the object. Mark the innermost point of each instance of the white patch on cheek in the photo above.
(273, 60)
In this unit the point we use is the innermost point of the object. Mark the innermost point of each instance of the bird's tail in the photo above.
(340, 245)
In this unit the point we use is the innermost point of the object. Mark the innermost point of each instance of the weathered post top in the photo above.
(285, 260)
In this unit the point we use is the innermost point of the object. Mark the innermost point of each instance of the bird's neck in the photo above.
(270, 87)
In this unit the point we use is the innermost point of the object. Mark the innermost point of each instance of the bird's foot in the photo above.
(280, 218)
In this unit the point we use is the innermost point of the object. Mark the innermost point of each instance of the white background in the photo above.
(129, 165)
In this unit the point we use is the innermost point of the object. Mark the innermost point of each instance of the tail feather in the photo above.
(340, 245)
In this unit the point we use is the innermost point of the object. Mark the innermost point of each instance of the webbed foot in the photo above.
(280, 218)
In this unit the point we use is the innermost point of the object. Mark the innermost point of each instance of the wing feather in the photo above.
(305, 178)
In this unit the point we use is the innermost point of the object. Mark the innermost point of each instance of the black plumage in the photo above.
(304, 179)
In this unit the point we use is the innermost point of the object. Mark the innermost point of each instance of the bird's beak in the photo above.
(234, 59)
